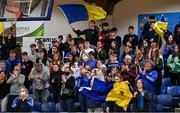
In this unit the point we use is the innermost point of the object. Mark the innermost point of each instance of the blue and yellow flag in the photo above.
(120, 94)
(102, 91)
(1, 27)
(79, 12)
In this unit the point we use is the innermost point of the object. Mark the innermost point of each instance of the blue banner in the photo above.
(171, 18)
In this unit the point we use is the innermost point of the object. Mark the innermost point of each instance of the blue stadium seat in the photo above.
(52, 106)
(154, 98)
(174, 90)
(45, 107)
(50, 98)
(58, 108)
(164, 99)
(157, 108)
(37, 106)
(166, 82)
(163, 90)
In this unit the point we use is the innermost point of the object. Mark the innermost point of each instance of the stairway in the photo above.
(177, 109)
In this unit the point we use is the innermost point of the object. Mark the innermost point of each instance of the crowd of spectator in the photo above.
(60, 72)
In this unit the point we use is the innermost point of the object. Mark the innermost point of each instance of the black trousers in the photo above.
(175, 78)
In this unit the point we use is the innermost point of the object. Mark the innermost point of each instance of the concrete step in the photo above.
(177, 109)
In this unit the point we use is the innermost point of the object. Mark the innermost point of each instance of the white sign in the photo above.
(27, 41)
(24, 28)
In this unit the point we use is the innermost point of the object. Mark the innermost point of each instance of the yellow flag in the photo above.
(120, 94)
(160, 27)
(1, 27)
(95, 12)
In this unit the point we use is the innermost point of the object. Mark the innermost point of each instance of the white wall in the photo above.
(126, 12)
(58, 24)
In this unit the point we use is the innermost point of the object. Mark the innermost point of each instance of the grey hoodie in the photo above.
(16, 83)
(45, 74)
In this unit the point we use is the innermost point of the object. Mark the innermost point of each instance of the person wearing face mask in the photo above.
(16, 80)
(39, 76)
(26, 66)
(24, 102)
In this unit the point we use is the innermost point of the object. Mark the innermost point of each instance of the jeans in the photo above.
(67, 105)
(82, 101)
(3, 104)
(41, 95)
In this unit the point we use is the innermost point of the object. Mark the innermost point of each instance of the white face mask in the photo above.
(22, 93)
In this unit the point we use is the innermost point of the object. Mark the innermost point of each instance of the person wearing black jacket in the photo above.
(55, 82)
(9, 44)
(142, 98)
(151, 36)
(4, 89)
(67, 91)
(100, 52)
(167, 33)
(41, 58)
(130, 39)
(40, 48)
(67, 44)
(104, 34)
(177, 34)
(54, 49)
(61, 46)
(2, 48)
(147, 25)
(26, 66)
(91, 33)
(113, 37)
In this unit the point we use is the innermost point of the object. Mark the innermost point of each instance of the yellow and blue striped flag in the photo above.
(80, 12)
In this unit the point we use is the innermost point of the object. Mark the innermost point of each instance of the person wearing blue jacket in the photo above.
(84, 81)
(149, 76)
(23, 103)
(11, 62)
